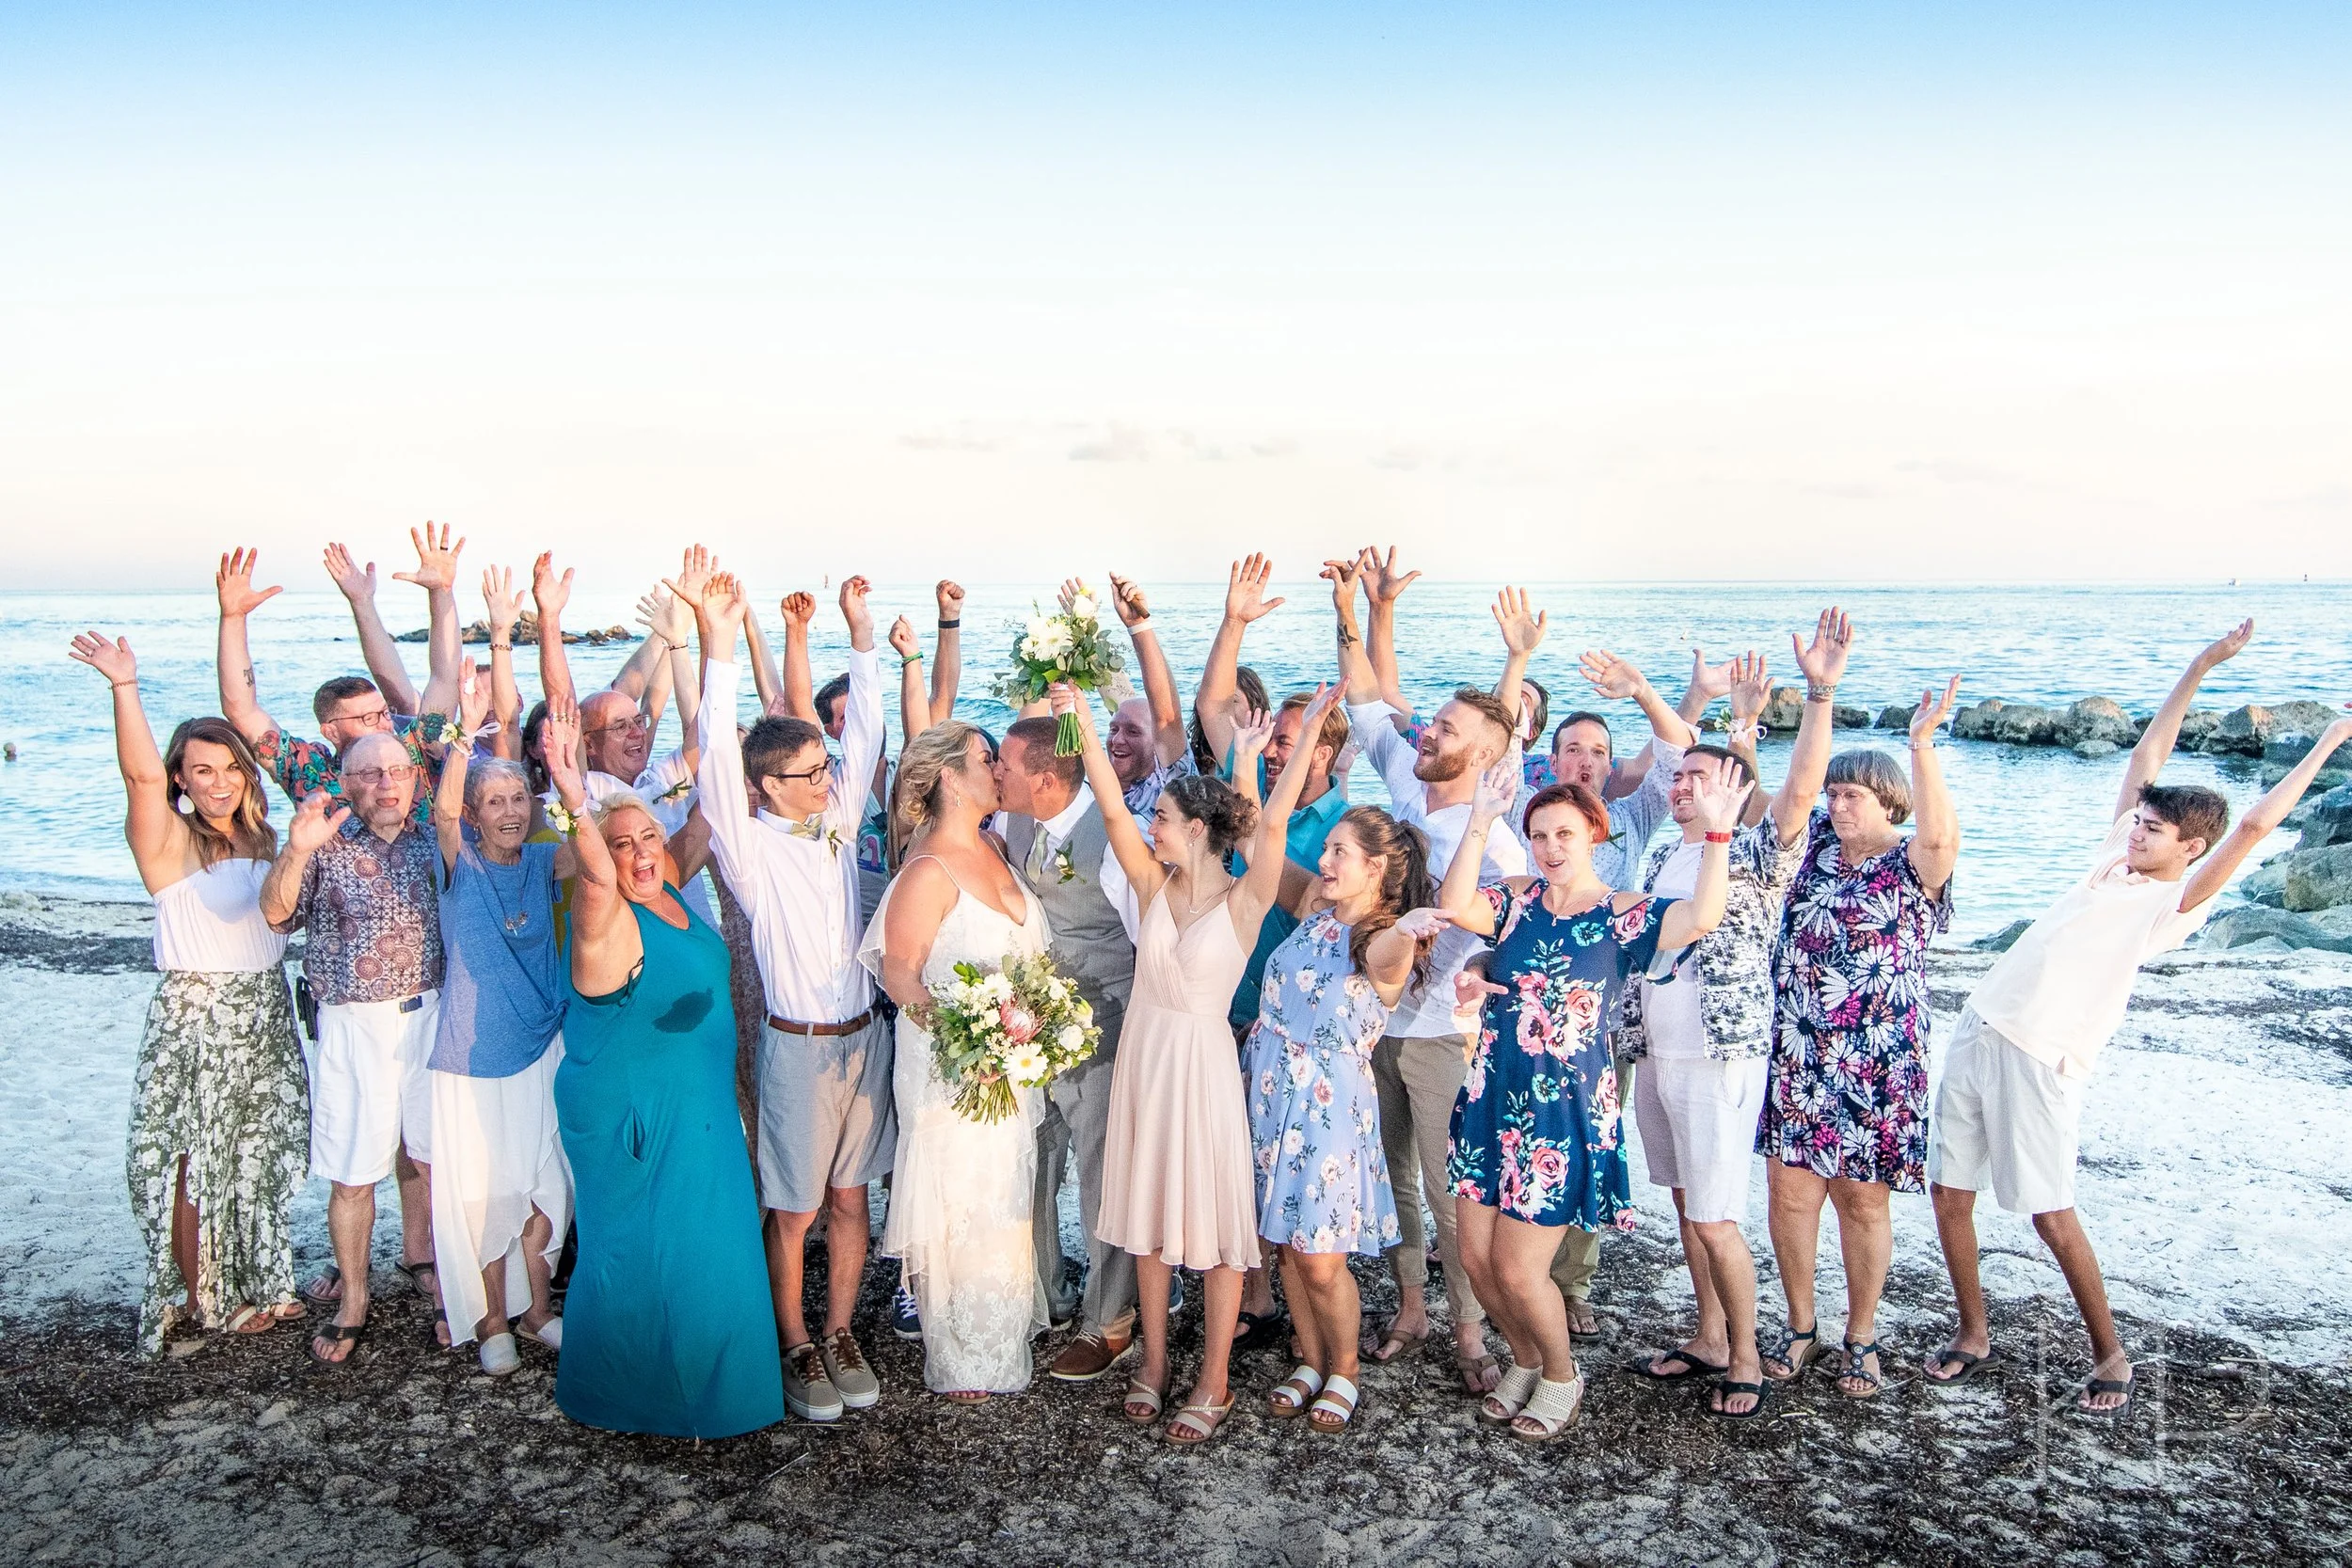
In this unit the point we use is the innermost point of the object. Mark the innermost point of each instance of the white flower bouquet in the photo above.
(1019, 1027)
(1071, 646)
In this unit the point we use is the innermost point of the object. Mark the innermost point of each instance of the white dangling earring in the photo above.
(182, 803)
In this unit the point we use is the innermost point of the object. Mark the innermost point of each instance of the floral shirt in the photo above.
(372, 911)
(1732, 965)
(305, 767)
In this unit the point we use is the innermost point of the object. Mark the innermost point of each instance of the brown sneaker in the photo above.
(1089, 1356)
(846, 1369)
(808, 1393)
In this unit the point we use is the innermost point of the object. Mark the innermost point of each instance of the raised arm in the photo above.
(1824, 665)
(1457, 895)
(316, 820)
(1719, 799)
(914, 702)
(1619, 678)
(1384, 584)
(503, 608)
(1522, 634)
(767, 683)
(2155, 742)
(449, 798)
(862, 725)
(800, 691)
(724, 802)
(1143, 868)
(376, 644)
(1750, 689)
(596, 907)
(436, 574)
(1358, 681)
(1936, 840)
(550, 593)
(1159, 684)
(2211, 873)
(947, 652)
(1244, 601)
(157, 836)
(240, 696)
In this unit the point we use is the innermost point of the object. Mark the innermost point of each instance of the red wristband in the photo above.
(1719, 838)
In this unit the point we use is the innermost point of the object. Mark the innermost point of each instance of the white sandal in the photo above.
(1337, 1401)
(1553, 1410)
(1502, 1407)
(498, 1354)
(1292, 1394)
(549, 1334)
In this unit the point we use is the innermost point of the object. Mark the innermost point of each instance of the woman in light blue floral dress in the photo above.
(1314, 1113)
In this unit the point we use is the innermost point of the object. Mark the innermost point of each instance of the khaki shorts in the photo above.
(826, 1115)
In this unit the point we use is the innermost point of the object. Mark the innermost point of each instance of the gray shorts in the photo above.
(826, 1115)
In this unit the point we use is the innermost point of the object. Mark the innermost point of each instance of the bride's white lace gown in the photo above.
(959, 1190)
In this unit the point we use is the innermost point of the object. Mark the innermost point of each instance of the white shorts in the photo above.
(499, 1157)
(2005, 1121)
(1697, 1119)
(369, 1094)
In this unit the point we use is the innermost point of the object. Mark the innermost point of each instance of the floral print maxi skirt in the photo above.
(220, 1080)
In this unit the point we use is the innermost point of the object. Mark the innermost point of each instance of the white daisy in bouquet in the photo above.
(1019, 1026)
(1071, 646)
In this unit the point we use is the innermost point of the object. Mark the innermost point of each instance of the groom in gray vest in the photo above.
(1053, 829)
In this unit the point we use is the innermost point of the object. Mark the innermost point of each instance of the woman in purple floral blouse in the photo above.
(1846, 1112)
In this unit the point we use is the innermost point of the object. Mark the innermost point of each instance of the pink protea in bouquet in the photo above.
(1019, 1027)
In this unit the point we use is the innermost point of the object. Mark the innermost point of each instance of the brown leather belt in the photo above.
(848, 1026)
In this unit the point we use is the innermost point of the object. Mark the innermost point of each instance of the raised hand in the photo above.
(233, 583)
(902, 639)
(473, 697)
(1932, 710)
(667, 616)
(1251, 732)
(316, 821)
(504, 605)
(1383, 582)
(1245, 589)
(1751, 690)
(799, 610)
(1710, 681)
(951, 596)
(695, 566)
(1341, 576)
(1718, 797)
(436, 559)
(1066, 698)
(1522, 631)
(854, 610)
(113, 660)
(1611, 675)
(722, 606)
(1833, 640)
(560, 743)
(1127, 598)
(547, 591)
(2229, 647)
(358, 583)
(1498, 786)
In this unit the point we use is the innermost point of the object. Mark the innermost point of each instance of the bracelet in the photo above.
(950, 626)
(1140, 628)
(498, 647)
(119, 685)
(1815, 692)
(1719, 838)
(911, 658)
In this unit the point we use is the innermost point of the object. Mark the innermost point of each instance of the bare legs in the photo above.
(2061, 1231)
(350, 1226)
(1327, 1311)
(1220, 1317)
(538, 1232)
(786, 1234)
(1722, 1278)
(1866, 1242)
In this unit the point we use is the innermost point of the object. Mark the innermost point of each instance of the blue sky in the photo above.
(1643, 292)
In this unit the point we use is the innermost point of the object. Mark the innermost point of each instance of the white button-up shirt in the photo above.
(1428, 1013)
(799, 893)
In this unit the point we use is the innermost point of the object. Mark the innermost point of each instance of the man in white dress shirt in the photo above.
(827, 1124)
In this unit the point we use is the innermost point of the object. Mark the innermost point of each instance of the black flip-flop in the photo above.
(1969, 1365)
(331, 1276)
(2108, 1386)
(1725, 1390)
(1691, 1367)
(336, 1333)
(413, 1270)
(1259, 1330)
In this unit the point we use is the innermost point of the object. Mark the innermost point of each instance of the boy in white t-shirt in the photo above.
(2010, 1104)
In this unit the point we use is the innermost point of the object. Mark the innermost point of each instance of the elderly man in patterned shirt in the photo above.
(362, 879)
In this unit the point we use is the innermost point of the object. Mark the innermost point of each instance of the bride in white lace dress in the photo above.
(959, 1190)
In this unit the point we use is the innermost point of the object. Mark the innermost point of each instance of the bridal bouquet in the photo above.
(1071, 646)
(1018, 1027)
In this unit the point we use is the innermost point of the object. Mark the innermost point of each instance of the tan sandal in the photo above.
(1292, 1394)
(1143, 1396)
(1334, 1408)
(249, 1320)
(1510, 1396)
(1195, 1424)
(1480, 1374)
(1551, 1412)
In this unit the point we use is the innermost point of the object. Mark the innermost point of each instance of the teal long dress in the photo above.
(668, 1328)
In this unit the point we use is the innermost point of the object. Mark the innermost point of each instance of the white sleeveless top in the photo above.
(211, 922)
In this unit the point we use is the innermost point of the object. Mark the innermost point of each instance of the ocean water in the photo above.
(2029, 816)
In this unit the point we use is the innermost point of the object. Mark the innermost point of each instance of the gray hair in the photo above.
(1877, 772)
(482, 772)
(375, 738)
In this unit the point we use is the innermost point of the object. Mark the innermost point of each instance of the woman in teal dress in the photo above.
(667, 1327)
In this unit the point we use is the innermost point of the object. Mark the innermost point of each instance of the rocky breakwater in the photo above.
(527, 633)
(2303, 896)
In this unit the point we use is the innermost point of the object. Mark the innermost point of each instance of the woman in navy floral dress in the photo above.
(1534, 1144)
(1846, 1112)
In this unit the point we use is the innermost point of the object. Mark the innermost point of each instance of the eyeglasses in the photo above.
(374, 719)
(807, 776)
(379, 775)
(627, 726)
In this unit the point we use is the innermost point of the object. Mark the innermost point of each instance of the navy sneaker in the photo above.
(905, 1321)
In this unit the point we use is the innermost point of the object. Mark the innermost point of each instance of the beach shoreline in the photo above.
(2214, 1242)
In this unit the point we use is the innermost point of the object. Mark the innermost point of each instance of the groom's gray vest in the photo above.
(1090, 943)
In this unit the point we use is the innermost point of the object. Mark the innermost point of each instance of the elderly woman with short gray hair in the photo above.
(1846, 1110)
(502, 1191)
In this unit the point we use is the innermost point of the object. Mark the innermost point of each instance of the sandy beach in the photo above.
(2214, 1182)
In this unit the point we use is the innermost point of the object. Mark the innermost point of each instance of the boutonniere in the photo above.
(676, 791)
(832, 840)
(1065, 869)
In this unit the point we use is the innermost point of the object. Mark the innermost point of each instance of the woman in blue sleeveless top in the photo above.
(667, 1327)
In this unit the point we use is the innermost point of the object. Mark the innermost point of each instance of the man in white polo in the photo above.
(363, 879)
(2008, 1107)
